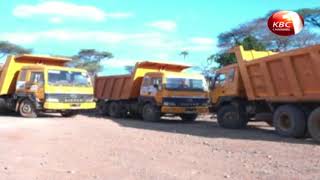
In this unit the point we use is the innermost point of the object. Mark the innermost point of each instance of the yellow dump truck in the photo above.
(281, 87)
(32, 84)
(154, 89)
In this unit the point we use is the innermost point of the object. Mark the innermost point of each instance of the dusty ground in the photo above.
(100, 148)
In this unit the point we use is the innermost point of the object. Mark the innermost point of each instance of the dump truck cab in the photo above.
(152, 90)
(33, 84)
(225, 85)
(176, 93)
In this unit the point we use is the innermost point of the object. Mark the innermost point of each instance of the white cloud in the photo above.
(164, 25)
(65, 9)
(200, 44)
(161, 43)
(202, 41)
(77, 36)
(56, 20)
(118, 63)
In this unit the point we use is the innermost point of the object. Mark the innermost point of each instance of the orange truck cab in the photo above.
(281, 88)
(154, 89)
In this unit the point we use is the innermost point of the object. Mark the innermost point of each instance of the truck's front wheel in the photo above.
(290, 121)
(27, 109)
(231, 117)
(314, 125)
(189, 117)
(150, 113)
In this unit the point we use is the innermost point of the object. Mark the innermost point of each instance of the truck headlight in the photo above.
(52, 100)
(90, 99)
(169, 104)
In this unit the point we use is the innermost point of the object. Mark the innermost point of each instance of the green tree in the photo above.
(249, 43)
(252, 43)
(184, 54)
(224, 59)
(7, 48)
(90, 59)
(258, 29)
(311, 16)
(129, 69)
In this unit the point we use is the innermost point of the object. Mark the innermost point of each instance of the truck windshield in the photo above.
(68, 78)
(185, 84)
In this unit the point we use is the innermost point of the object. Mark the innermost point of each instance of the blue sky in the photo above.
(131, 29)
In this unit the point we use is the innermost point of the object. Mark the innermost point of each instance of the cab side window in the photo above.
(221, 79)
(37, 77)
(146, 81)
(156, 81)
(23, 75)
(231, 75)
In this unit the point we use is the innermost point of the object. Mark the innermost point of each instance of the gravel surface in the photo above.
(87, 147)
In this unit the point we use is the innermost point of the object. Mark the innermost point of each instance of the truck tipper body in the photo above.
(152, 90)
(283, 86)
(32, 84)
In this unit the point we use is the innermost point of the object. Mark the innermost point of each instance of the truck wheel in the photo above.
(68, 113)
(114, 110)
(290, 121)
(189, 117)
(229, 116)
(27, 109)
(103, 108)
(314, 125)
(150, 113)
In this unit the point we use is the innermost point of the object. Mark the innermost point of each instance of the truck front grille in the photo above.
(186, 102)
(71, 98)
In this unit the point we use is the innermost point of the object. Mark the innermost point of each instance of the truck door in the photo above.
(223, 84)
(150, 86)
(35, 84)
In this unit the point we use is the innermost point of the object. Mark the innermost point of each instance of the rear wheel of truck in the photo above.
(151, 113)
(189, 117)
(117, 110)
(27, 109)
(68, 113)
(314, 125)
(290, 121)
(232, 117)
(103, 108)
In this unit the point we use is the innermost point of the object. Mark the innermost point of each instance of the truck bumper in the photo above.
(69, 106)
(184, 110)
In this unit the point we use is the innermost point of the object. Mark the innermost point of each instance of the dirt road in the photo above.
(100, 148)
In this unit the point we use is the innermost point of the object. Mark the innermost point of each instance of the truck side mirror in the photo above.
(212, 83)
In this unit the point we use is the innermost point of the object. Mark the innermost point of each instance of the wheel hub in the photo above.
(285, 122)
(26, 108)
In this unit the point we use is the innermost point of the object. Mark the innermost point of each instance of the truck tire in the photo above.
(27, 109)
(232, 117)
(68, 113)
(103, 108)
(151, 113)
(314, 125)
(189, 117)
(290, 121)
(115, 110)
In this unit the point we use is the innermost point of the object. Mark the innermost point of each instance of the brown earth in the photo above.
(87, 147)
